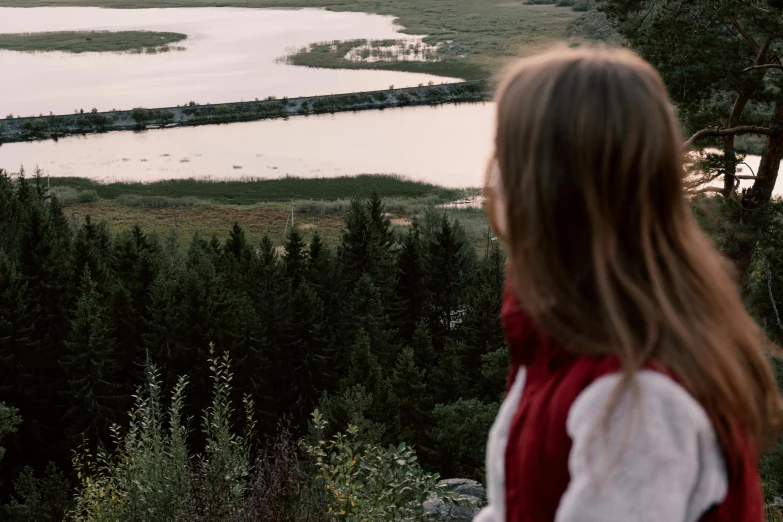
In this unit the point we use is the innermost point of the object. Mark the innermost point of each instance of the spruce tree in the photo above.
(366, 246)
(308, 359)
(17, 327)
(410, 283)
(94, 398)
(410, 399)
(448, 277)
(92, 248)
(17, 359)
(295, 257)
(237, 259)
(45, 268)
(481, 331)
(368, 315)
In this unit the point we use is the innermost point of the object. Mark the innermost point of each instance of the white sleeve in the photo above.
(659, 460)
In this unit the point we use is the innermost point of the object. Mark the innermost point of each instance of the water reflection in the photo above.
(231, 55)
(448, 145)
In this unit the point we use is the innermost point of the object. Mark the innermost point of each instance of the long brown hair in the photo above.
(605, 254)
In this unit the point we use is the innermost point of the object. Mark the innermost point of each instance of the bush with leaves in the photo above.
(148, 476)
(369, 483)
(45, 499)
(9, 420)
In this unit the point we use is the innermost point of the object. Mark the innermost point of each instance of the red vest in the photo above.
(538, 444)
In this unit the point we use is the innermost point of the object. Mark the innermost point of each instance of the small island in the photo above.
(92, 41)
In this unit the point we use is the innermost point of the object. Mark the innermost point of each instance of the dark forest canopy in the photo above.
(397, 333)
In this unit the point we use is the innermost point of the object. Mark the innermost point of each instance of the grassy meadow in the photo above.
(91, 41)
(477, 37)
(260, 206)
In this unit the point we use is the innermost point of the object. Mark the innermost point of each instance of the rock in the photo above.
(470, 498)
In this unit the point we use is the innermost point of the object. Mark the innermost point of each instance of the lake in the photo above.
(231, 54)
(447, 145)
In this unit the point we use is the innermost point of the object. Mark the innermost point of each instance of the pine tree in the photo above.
(366, 246)
(410, 283)
(17, 357)
(445, 379)
(92, 249)
(237, 259)
(17, 327)
(94, 399)
(423, 352)
(380, 225)
(295, 258)
(45, 268)
(323, 276)
(308, 359)
(237, 246)
(10, 211)
(9, 420)
(369, 317)
(448, 275)
(723, 80)
(481, 331)
(411, 400)
(363, 367)
(354, 247)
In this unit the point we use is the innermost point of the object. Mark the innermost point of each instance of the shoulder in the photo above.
(653, 399)
(656, 457)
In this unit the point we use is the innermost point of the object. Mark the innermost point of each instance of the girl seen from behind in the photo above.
(639, 387)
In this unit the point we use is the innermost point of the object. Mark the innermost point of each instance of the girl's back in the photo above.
(639, 388)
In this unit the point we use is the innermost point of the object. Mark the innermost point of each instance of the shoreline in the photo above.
(22, 129)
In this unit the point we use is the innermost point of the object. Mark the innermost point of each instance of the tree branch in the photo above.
(748, 38)
(765, 66)
(704, 190)
(746, 129)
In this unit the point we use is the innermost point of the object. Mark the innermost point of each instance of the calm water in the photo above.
(231, 55)
(448, 145)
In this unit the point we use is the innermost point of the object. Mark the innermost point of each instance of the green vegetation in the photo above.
(250, 191)
(331, 55)
(378, 330)
(140, 118)
(476, 38)
(723, 79)
(91, 41)
(212, 207)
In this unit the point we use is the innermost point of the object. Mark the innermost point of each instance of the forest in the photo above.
(394, 337)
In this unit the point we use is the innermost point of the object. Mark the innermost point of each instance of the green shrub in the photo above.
(367, 482)
(460, 434)
(149, 475)
(44, 499)
(133, 200)
(69, 195)
(9, 420)
(140, 115)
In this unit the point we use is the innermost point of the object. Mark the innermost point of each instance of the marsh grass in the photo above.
(69, 195)
(92, 41)
(247, 191)
(478, 37)
(133, 200)
(260, 206)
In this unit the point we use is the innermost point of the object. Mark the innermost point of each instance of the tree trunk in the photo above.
(728, 143)
(759, 194)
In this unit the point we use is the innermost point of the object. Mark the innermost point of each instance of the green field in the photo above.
(91, 41)
(262, 206)
(246, 192)
(477, 37)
